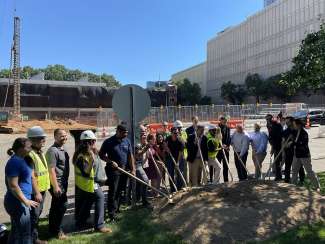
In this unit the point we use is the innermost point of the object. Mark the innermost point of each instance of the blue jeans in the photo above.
(176, 177)
(20, 221)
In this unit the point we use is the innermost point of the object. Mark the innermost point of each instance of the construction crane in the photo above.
(16, 66)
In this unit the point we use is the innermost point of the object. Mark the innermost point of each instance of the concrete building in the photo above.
(265, 43)
(196, 74)
(268, 2)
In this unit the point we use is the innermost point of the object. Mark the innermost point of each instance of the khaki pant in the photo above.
(306, 162)
(217, 168)
(195, 172)
(258, 159)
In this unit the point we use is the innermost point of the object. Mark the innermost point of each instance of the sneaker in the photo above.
(62, 237)
(104, 230)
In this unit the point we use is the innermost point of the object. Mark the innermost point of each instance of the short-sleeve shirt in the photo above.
(58, 158)
(18, 167)
(117, 150)
(175, 147)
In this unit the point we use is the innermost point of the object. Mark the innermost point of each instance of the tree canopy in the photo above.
(233, 93)
(60, 72)
(189, 93)
(308, 71)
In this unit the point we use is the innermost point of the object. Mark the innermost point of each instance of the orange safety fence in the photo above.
(158, 127)
(232, 123)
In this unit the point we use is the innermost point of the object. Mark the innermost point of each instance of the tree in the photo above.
(255, 86)
(60, 72)
(308, 71)
(188, 93)
(235, 94)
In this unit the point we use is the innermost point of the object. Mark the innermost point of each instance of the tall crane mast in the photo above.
(16, 66)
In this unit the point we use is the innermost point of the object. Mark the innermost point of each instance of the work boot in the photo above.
(38, 241)
(62, 237)
(105, 230)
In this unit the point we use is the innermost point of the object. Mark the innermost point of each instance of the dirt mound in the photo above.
(237, 212)
(47, 125)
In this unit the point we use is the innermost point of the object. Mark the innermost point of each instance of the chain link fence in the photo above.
(107, 117)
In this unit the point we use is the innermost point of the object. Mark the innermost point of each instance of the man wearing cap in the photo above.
(259, 141)
(116, 151)
(275, 138)
(40, 179)
(58, 163)
(226, 140)
(174, 148)
(194, 155)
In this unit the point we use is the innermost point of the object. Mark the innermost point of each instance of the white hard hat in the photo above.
(212, 127)
(178, 124)
(36, 131)
(88, 135)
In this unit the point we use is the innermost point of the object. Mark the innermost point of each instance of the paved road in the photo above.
(317, 146)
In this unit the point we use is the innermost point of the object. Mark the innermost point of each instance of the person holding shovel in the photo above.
(223, 155)
(302, 155)
(240, 143)
(116, 151)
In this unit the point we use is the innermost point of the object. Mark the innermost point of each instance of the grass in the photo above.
(138, 226)
(135, 226)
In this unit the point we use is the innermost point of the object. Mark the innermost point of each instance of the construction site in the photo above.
(250, 211)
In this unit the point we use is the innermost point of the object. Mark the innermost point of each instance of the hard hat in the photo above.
(212, 127)
(178, 124)
(87, 135)
(36, 131)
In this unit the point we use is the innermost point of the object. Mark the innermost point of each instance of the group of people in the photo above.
(167, 160)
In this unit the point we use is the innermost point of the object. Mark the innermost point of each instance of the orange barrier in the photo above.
(231, 123)
(158, 127)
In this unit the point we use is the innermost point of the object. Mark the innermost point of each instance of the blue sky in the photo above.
(135, 40)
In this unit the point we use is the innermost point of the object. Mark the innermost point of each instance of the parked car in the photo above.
(315, 116)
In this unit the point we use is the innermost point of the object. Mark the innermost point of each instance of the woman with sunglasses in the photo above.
(86, 164)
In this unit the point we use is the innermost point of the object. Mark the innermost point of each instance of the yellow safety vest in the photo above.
(216, 142)
(184, 138)
(41, 171)
(85, 183)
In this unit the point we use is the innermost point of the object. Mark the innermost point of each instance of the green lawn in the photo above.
(135, 226)
(138, 226)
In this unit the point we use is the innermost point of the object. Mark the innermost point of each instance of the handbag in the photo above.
(100, 174)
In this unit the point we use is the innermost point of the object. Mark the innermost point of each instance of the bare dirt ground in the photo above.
(47, 125)
(238, 212)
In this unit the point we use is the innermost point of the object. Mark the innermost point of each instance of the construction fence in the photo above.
(107, 118)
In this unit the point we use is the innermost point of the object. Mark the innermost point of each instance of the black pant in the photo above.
(277, 163)
(241, 171)
(288, 164)
(222, 159)
(115, 187)
(58, 208)
(35, 213)
(83, 204)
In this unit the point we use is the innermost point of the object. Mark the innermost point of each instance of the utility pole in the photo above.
(16, 66)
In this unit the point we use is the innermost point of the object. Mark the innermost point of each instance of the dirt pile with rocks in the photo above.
(47, 125)
(238, 212)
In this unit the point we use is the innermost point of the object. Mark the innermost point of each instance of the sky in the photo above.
(134, 40)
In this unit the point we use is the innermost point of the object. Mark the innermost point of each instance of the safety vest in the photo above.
(41, 171)
(84, 183)
(184, 138)
(216, 143)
